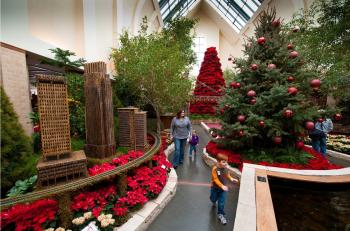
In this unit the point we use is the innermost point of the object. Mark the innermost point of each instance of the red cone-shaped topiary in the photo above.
(210, 82)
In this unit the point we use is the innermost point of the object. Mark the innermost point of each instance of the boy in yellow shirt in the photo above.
(218, 191)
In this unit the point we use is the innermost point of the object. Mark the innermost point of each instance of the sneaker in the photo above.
(222, 219)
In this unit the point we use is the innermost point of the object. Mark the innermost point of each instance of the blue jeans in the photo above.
(179, 151)
(217, 194)
(319, 145)
(193, 148)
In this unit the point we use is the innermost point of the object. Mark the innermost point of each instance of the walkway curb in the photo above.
(142, 218)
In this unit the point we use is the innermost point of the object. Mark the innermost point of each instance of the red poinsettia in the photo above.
(210, 82)
(31, 216)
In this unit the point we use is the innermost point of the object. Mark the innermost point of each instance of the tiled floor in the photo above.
(191, 209)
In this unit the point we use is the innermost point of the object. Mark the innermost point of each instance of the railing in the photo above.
(74, 185)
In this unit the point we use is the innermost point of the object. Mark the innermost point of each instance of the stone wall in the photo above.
(15, 81)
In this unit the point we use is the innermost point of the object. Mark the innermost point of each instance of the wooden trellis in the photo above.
(54, 115)
(57, 164)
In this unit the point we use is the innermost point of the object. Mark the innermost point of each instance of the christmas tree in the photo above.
(209, 84)
(267, 110)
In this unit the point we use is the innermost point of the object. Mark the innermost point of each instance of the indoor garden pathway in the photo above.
(191, 209)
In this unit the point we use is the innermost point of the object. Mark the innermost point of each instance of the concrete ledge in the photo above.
(142, 218)
(210, 161)
(246, 214)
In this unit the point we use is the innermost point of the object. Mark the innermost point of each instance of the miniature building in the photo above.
(58, 163)
(100, 141)
(132, 128)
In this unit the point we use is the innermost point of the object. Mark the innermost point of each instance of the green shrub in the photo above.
(16, 149)
(77, 144)
(22, 186)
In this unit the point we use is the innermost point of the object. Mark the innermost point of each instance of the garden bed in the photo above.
(315, 162)
(101, 204)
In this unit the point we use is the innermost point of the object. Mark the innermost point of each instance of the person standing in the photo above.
(319, 135)
(180, 130)
(194, 140)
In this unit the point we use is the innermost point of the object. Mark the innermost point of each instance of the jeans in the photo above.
(179, 151)
(193, 148)
(217, 194)
(319, 145)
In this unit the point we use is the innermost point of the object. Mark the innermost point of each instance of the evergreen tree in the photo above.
(267, 109)
(16, 149)
(210, 82)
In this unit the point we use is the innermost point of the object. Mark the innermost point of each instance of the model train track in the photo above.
(74, 185)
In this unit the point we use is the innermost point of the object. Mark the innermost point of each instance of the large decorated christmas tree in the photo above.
(266, 110)
(209, 84)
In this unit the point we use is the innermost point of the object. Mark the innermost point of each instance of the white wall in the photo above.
(89, 28)
(214, 32)
(284, 9)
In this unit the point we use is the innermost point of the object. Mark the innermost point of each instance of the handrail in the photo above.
(70, 186)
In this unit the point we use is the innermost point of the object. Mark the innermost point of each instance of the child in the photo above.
(193, 143)
(219, 188)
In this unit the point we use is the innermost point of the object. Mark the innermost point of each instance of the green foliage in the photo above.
(273, 155)
(202, 117)
(272, 97)
(16, 149)
(324, 41)
(62, 58)
(76, 99)
(154, 67)
(229, 76)
(77, 144)
(22, 186)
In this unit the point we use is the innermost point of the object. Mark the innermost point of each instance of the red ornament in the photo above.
(229, 59)
(241, 118)
(290, 78)
(261, 40)
(338, 117)
(219, 90)
(309, 125)
(320, 120)
(276, 23)
(222, 111)
(290, 46)
(277, 139)
(315, 83)
(251, 93)
(299, 144)
(254, 67)
(271, 66)
(241, 133)
(292, 90)
(253, 101)
(261, 124)
(233, 84)
(293, 54)
(238, 85)
(288, 113)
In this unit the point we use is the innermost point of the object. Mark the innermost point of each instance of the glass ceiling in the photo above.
(236, 12)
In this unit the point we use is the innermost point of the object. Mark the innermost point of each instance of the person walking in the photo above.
(318, 135)
(218, 191)
(194, 140)
(180, 130)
